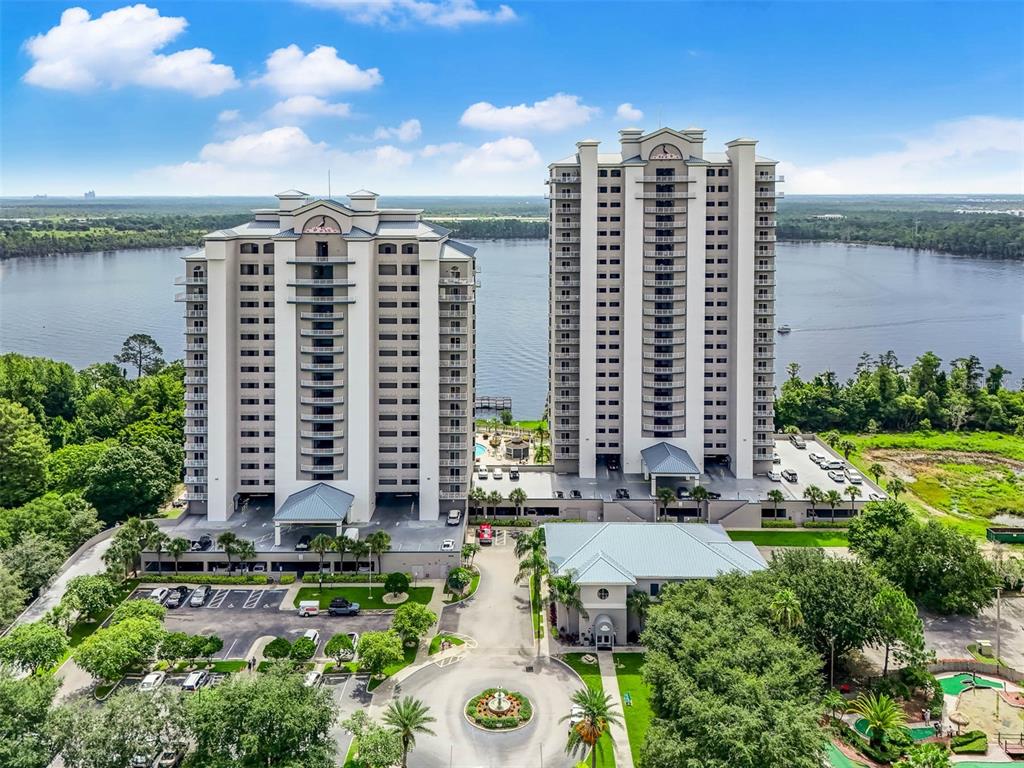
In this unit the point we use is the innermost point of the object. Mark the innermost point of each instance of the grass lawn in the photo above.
(591, 677)
(809, 537)
(536, 607)
(368, 600)
(637, 715)
(228, 666)
(435, 644)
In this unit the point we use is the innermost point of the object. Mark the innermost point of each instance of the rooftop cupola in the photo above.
(291, 199)
(363, 200)
(630, 140)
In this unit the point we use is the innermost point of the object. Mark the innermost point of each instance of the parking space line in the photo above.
(218, 597)
(253, 600)
(227, 654)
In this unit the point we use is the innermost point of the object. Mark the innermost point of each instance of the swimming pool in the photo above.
(480, 450)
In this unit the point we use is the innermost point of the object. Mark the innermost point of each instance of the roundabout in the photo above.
(496, 709)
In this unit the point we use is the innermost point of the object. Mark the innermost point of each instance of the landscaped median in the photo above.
(590, 674)
(369, 598)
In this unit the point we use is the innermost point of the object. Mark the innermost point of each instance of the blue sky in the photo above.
(457, 97)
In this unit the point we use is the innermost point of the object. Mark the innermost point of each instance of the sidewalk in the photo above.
(623, 755)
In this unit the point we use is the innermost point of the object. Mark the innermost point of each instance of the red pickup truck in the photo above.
(485, 534)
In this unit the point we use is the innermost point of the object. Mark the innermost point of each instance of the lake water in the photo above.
(840, 301)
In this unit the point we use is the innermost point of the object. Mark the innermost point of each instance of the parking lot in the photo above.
(240, 617)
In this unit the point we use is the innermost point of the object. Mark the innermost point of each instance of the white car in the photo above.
(854, 477)
(834, 464)
(496, 474)
(312, 679)
(837, 477)
(817, 458)
(876, 497)
(481, 472)
(159, 594)
(151, 681)
(775, 477)
(448, 545)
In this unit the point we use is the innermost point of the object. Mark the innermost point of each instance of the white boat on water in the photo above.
(784, 329)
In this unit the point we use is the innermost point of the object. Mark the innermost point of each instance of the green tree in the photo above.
(34, 560)
(278, 648)
(459, 579)
(26, 740)
(533, 558)
(638, 603)
(360, 550)
(925, 756)
(138, 609)
(379, 650)
(68, 520)
(23, 454)
(847, 447)
(776, 497)
(883, 715)
(141, 351)
(67, 468)
(834, 703)
(112, 651)
(854, 493)
(127, 482)
(380, 543)
(701, 496)
(666, 497)
(564, 590)
(876, 471)
(173, 647)
(375, 746)
(158, 543)
(340, 647)
(833, 499)
(517, 497)
(12, 596)
(177, 547)
(321, 544)
(596, 715)
(785, 609)
(408, 717)
(396, 583)
(814, 496)
(342, 545)
(506, 417)
(869, 533)
(34, 646)
(898, 623)
(469, 551)
(270, 719)
(228, 541)
(895, 487)
(303, 649)
(412, 621)
(91, 595)
(494, 499)
(212, 645)
(478, 499)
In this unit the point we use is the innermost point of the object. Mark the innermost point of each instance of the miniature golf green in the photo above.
(957, 684)
(838, 759)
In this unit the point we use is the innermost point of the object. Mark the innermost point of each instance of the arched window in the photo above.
(250, 248)
(409, 248)
(268, 247)
(387, 248)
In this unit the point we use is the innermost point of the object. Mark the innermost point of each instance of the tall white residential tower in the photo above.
(332, 343)
(662, 270)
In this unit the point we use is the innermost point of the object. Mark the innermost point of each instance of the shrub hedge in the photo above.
(346, 578)
(518, 522)
(498, 723)
(287, 578)
(826, 524)
(203, 578)
(970, 743)
(777, 523)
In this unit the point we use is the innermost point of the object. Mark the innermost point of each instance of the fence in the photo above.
(977, 667)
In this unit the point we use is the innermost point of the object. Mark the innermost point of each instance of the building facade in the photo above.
(329, 342)
(662, 302)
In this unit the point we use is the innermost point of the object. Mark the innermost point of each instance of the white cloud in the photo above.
(438, 150)
(972, 154)
(629, 113)
(228, 116)
(390, 156)
(278, 146)
(443, 13)
(120, 48)
(300, 108)
(409, 130)
(554, 113)
(291, 71)
(502, 156)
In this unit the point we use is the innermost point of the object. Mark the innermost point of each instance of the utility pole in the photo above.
(999, 605)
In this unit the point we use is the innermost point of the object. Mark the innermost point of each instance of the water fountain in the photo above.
(499, 702)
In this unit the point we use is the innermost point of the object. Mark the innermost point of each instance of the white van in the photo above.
(195, 681)
(309, 608)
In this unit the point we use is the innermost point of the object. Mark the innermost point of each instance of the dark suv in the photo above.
(341, 607)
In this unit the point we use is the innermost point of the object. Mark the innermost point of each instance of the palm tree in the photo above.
(408, 717)
(564, 590)
(158, 542)
(121, 555)
(342, 544)
(665, 497)
(639, 603)
(834, 703)
(833, 499)
(701, 496)
(518, 497)
(469, 550)
(831, 437)
(321, 544)
(177, 547)
(882, 714)
(478, 498)
(494, 498)
(360, 549)
(380, 542)
(814, 495)
(847, 447)
(895, 487)
(595, 716)
(245, 551)
(785, 609)
(530, 542)
(776, 497)
(533, 556)
(854, 493)
(228, 541)
(541, 432)
(876, 470)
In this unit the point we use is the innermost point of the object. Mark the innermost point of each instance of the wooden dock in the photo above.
(493, 403)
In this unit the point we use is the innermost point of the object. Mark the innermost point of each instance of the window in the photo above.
(655, 588)
(602, 594)
(249, 248)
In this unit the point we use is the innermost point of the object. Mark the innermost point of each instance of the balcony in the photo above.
(336, 451)
(321, 418)
(323, 384)
(453, 313)
(195, 379)
(453, 363)
(764, 398)
(567, 455)
(765, 238)
(322, 367)
(679, 266)
(455, 297)
(768, 193)
(195, 313)
(666, 179)
(195, 479)
(568, 371)
(322, 400)
(769, 178)
(456, 396)
(652, 312)
(452, 347)
(566, 311)
(672, 340)
(664, 398)
(192, 429)
(563, 180)
(195, 396)
(328, 259)
(764, 282)
(766, 223)
(190, 281)
(452, 380)
(765, 442)
(674, 370)
(663, 414)
(563, 196)
(650, 426)
(678, 195)
(318, 281)
(764, 296)
(196, 446)
(196, 413)
(567, 327)
(567, 398)
(194, 496)
(764, 354)
(566, 225)
(321, 469)
(566, 283)
(566, 240)
(664, 238)
(767, 266)
(664, 283)
(189, 363)
(664, 254)
(321, 315)
(453, 462)
(664, 356)
(459, 329)
(446, 430)
(666, 210)
(765, 208)
(653, 224)
(564, 254)
(567, 355)
(338, 433)
(190, 297)
(190, 463)
(322, 350)
(763, 311)
(664, 297)
(320, 300)
(665, 327)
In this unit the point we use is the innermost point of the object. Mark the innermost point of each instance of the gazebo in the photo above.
(319, 504)
(667, 460)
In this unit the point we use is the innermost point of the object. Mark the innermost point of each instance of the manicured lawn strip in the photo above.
(638, 715)
(793, 538)
(435, 643)
(410, 657)
(369, 601)
(591, 676)
(228, 667)
(536, 607)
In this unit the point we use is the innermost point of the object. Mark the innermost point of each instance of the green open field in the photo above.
(638, 713)
(963, 478)
(591, 676)
(368, 599)
(808, 537)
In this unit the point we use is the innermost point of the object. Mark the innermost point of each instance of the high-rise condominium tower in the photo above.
(662, 302)
(329, 342)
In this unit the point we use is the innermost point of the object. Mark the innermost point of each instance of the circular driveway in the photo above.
(459, 745)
